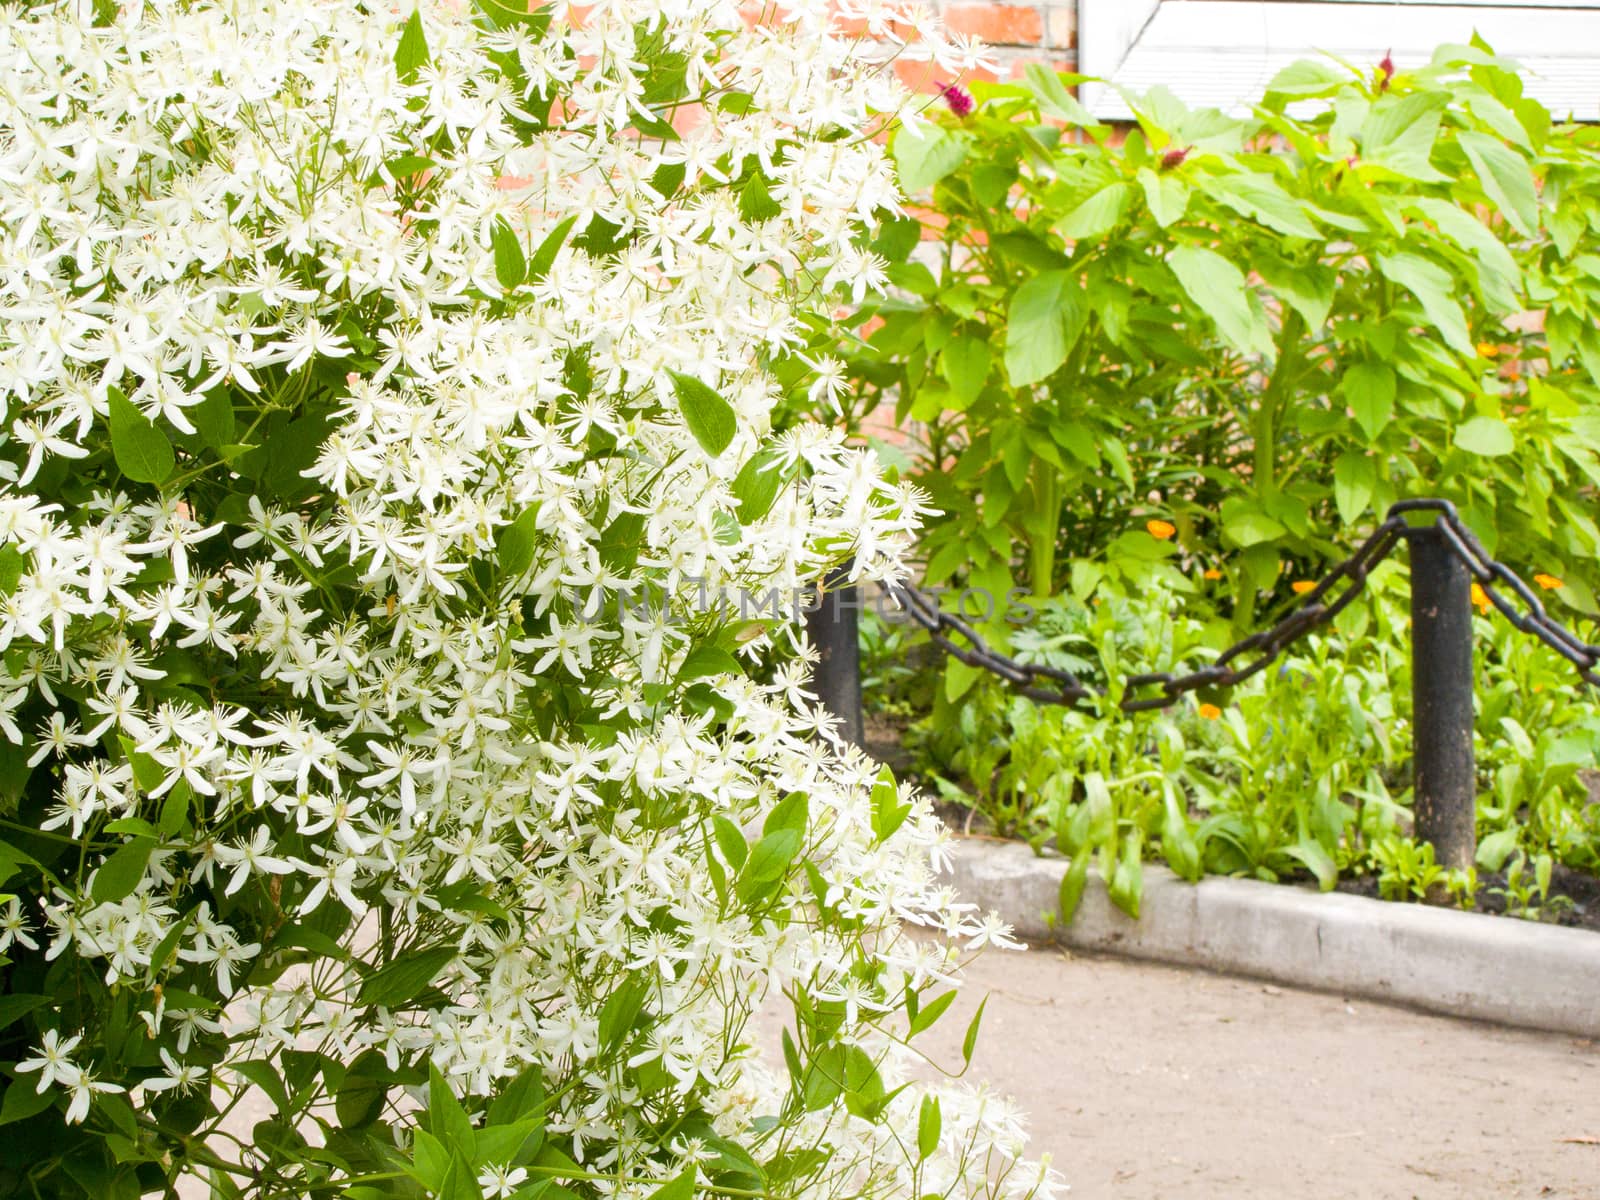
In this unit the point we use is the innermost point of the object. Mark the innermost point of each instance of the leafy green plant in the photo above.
(1256, 332)
(1301, 772)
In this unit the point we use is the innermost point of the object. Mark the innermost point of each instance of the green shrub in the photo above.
(1261, 331)
(1302, 771)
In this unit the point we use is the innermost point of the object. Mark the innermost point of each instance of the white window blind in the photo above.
(1222, 53)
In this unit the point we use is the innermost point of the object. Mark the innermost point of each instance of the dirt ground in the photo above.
(1148, 1082)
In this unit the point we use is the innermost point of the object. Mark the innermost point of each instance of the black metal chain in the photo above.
(1331, 596)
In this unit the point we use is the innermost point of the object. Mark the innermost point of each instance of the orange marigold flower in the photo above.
(1213, 573)
(1210, 712)
(1548, 582)
(1480, 599)
(1161, 530)
(1302, 586)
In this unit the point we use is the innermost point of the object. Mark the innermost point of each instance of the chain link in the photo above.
(1333, 593)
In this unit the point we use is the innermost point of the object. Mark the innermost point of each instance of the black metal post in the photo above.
(834, 630)
(1441, 699)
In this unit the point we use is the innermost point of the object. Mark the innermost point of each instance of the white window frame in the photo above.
(1108, 31)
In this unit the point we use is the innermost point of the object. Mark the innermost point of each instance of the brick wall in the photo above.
(1019, 33)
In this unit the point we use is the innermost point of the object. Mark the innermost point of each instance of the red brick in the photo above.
(997, 24)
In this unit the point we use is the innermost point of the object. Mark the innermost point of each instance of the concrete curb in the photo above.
(1442, 960)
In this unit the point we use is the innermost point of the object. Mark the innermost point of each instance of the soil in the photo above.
(1576, 895)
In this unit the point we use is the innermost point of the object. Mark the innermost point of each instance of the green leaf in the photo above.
(759, 483)
(1046, 317)
(510, 267)
(1488, 436)
(16, 1005)
(1399, 131)
(965, 363)
(769, 859)
(680, 1187)
(523, 1097)
(970, 1042)
(447, 1120)
(1126, 886)
(401, 980)
(926, 155)
(838, 1069)
(1073, 881)
(403, 166)
(1166, 195)
(929, 1124)
(23, 1099)
(1219, 289)
(175, 810)
(792, 812)
(620, 1013)
(1096, 215)
(545, 256)
(930, 1012)
(1054, 99)
(708, 660)
(213, 418)
(889, 812)
(1306, 78)
(1498, 272)
(12, 564)
(431, 1160)
(460, 1182)
(1506, 177)
(505, 1143)
(1355, 477)
(1262, 198)
(1245, 524)
(412, 52)
(1432, 285)
(709, 417)
(1369, 389)
(1310, 854)
(1496, 848)
(515, 543)
(755, 201)
(730, 841)
(1306, 287)
(142, 451)
(120, 874)
(360, 1097)
(264, 1076)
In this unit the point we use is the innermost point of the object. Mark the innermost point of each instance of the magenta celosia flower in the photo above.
(958, 98)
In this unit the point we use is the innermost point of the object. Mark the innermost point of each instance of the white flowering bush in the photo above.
(388, 455)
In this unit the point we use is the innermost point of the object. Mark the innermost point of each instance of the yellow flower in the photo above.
(1480, 599)
(1210, 712)
(1213, 573)
(1161, 530)
(1302, 586)
(1548, 582)
(1488, 349)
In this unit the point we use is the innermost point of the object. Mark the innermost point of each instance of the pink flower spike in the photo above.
(958, 98)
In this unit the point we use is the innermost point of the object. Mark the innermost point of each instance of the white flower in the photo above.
(15, 927)
(502, 1181)
(82, 1089)
(334, 654)
(183, 1078)
(52, 1062)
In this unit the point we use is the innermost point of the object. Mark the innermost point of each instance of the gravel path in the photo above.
(1145, 1081)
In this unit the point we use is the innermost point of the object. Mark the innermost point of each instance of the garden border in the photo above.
(1442, 960)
